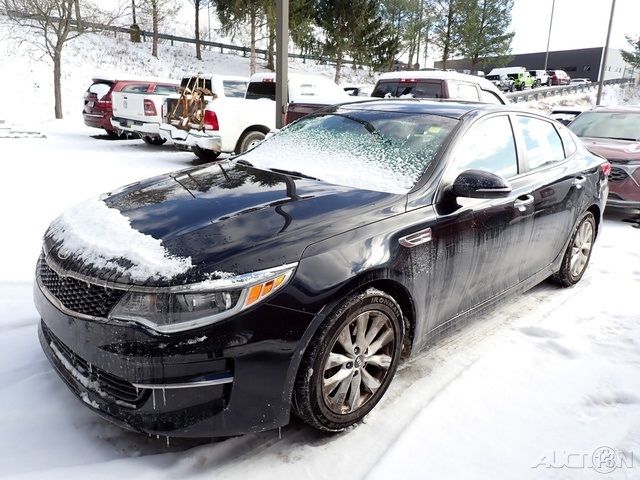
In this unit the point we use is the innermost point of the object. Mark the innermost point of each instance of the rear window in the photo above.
(257, 90)
(196, 82)
(234, 88)
(136, 88)
(165, 89)
(413, 89)
(100, 89)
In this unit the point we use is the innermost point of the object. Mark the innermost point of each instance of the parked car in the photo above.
(306, 93)
(437, 84)
(559, 77)
(227, 296)
(502, 82)
(359, 90)
(567, 114)
(137, 109)
(540, 78)
(580, 81)
(97, 108)
(522, 80)
(614, 133)
(211, 116)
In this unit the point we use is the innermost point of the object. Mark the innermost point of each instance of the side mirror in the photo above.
(480, 184)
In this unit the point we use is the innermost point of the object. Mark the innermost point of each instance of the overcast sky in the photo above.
(576, 24)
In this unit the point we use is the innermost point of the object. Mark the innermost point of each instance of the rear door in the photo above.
(557, 196)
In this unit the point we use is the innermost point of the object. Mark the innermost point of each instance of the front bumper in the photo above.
(226, 379)
(135, 126)
(191, 138)
(624, 185)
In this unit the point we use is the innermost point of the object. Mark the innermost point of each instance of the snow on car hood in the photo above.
(103, 238)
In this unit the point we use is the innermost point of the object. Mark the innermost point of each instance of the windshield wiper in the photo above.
(615, 138)
(294, 173)
(244, 162)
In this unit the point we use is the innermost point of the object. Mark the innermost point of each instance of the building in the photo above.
(580, 63)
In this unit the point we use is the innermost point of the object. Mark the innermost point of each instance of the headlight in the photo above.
(190, 306)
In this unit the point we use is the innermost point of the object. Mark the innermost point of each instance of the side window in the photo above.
(487, 96)
(466, 91)
(570, 146)
(488, 146)
(234, 88)
(542, 143)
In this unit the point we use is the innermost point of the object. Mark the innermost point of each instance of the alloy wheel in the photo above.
(358, 362)
(581, 248)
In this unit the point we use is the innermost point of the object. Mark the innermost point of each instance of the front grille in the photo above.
(81, 297)
(98, 381)
(617, 174)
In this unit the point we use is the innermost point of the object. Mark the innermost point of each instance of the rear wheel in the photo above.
(350, 362)
(249, 140)
(578, 253)
(205, 155)
(149, 140)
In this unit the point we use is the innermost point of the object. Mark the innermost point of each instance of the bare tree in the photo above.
(49, 24)
(198, 5)
(158, 12)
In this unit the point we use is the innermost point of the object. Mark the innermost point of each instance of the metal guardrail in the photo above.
(544, 92)
(145, 35)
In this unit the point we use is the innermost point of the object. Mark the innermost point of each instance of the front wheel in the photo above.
(578, 253)
(205, 155)
(350, 362)
(149, 140)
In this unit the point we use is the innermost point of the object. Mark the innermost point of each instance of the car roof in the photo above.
(429, 74)
(446, 108)
(261, 76)
(617, 109)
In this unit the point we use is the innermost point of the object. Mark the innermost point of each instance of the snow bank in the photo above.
(102, 237)
(612, 96)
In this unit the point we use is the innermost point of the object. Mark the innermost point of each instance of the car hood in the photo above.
(612, 149)
(229, 219)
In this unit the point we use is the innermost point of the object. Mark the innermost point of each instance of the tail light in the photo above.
(211, 120)
(105, 102)
(149, 108)
(606, 168)
(287, 118)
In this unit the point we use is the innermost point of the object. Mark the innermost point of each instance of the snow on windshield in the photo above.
(370, 150)
(102, 237)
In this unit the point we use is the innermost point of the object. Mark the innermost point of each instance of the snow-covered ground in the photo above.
(543, 381)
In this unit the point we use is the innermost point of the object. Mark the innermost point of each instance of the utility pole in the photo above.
(546, 57)
(282, 59)
(605, 54)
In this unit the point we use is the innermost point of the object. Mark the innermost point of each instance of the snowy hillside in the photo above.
(26, 83)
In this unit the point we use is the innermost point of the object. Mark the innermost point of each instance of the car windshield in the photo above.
(366, 149)
(513, 76)
(617, 125)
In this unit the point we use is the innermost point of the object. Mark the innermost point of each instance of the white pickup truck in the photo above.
(211, 118)
(137, 108)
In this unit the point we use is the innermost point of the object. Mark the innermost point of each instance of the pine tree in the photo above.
(485, 30)
(632, 57)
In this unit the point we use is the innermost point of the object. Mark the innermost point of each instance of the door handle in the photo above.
(578, 181)
(523, 202)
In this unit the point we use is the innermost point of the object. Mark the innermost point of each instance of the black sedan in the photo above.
(218, 300)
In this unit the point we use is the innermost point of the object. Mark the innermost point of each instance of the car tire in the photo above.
(249, 140)
(149, 140)
(339, 357)
(576, 258)
(205, 155)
